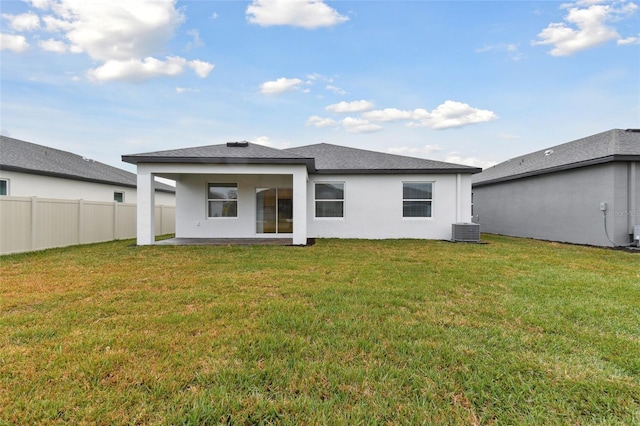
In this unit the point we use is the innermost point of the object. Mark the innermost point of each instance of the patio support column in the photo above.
(146, 209)
(300, 207)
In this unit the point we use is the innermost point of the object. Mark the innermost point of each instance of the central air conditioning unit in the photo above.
(465, 232)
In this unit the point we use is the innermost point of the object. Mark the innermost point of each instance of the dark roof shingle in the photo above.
(228, 150)
(229, 153)
(27, 157)
(340, 159)
(319, 158)
(612, 145)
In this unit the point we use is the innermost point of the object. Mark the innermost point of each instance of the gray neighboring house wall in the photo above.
(32, 170)
(557, 194)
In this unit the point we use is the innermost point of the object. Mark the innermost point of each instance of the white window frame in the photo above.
(433, 184)
(344, 197)
(8, 186)
(207, 212)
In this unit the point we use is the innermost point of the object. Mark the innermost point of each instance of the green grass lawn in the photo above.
(343, 332)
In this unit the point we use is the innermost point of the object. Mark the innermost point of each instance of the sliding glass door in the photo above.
(274, 210)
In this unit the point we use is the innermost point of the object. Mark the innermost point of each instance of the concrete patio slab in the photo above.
(224, 241)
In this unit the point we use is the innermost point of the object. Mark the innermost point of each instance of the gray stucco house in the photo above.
(586, 192)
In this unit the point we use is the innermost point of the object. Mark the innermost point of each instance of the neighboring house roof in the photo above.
(27, 157)
(612, 145)
(319, 158)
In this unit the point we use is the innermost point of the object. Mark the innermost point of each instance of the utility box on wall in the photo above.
(636, 234)
(465, 232)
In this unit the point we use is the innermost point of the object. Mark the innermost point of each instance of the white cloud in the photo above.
(266, 141)
(452, 114)
(280, 85)
(52, 45)
(315, 76)
(263, 140)
(317, 121)
(512, 51)
(449, 114)
(456, 158)
(123, 36)
(53, 24)
(185, 90)
(41, 4)
(136, 70)
(388, 114)
(425, 151)
(359, 125)
(584, 27)
(629, 40)
(308, 14)
(24, 22)
(120, 29)
(15, 43)
(197, 41)
(337, 90)
(354, 106)
(201, 68)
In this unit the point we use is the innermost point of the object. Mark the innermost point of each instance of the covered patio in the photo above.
(237, 193)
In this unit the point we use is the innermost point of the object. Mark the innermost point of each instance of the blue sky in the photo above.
(472, 82)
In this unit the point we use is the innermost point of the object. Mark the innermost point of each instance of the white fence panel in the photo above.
(98, 221)
(15, 225)
(56, 223)
(31, 223)
(126, 222)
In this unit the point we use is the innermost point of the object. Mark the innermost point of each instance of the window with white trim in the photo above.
(118, 197)
(329, 199)
(4, 186)
(416, 199)
(222, 200)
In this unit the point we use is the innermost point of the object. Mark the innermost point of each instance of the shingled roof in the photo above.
(228, 153)
(612, 145)
(319, 158)
(26, 157)
(340, 159)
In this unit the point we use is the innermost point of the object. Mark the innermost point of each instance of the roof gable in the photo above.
(27, 157)
(612, 145)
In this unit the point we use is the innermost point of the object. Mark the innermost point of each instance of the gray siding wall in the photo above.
(564, 206)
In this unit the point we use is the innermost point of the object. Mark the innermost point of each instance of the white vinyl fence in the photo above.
(31, 223)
